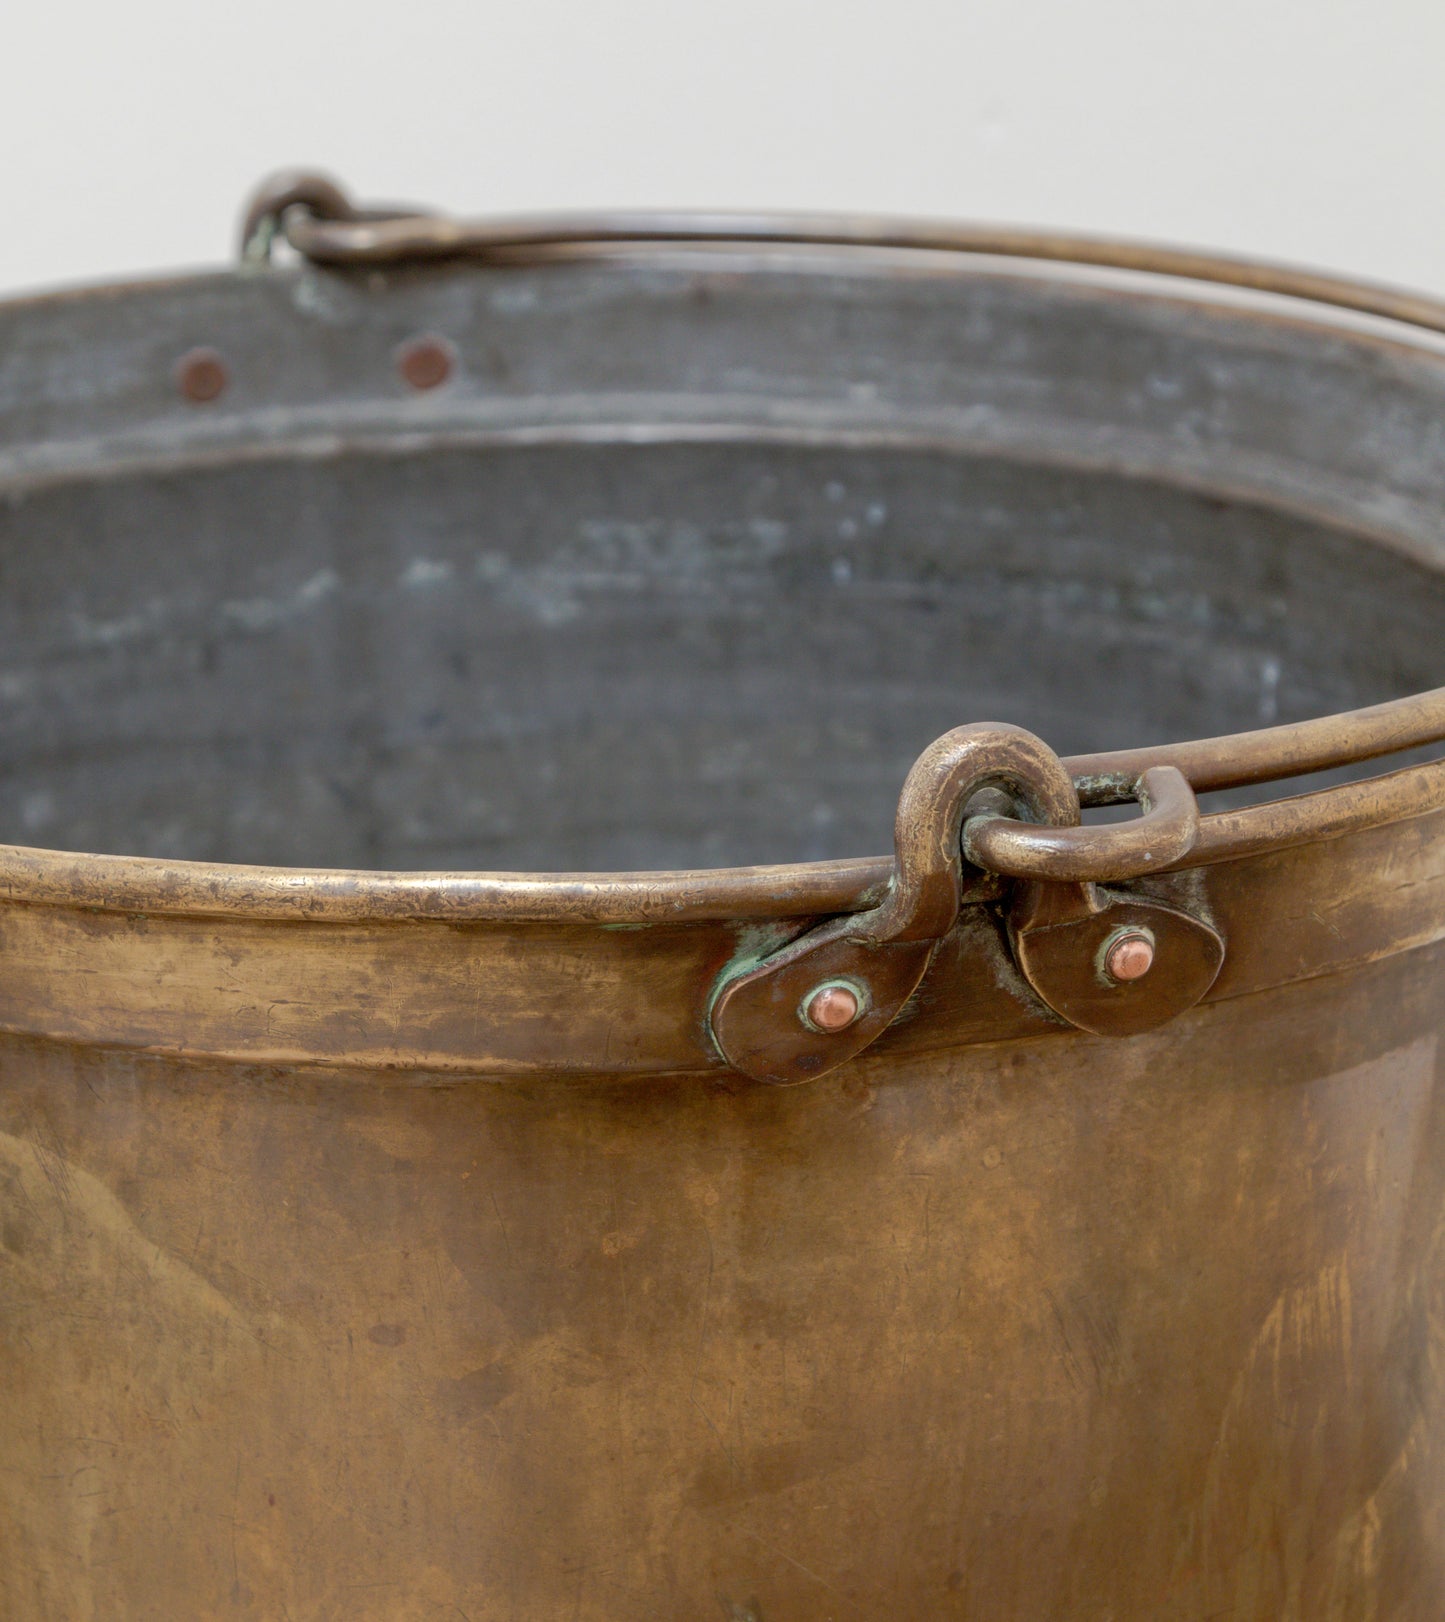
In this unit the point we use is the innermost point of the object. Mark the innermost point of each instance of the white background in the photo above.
(1308, 130)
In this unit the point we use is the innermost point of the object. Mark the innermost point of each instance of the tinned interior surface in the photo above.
(620, 655)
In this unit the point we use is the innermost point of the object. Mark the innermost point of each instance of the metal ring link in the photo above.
(1165, 834)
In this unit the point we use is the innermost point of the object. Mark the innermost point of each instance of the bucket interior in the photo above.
(634, 655)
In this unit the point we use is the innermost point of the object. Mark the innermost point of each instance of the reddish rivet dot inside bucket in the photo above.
(833, 1008)
(201, 375)
(426, 363)
(1130, 956)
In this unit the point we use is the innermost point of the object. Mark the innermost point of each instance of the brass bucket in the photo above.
(1046, 1221)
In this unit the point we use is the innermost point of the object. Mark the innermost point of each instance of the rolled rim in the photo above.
(786, 890)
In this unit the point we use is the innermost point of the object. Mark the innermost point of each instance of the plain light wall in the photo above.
(1307, 130)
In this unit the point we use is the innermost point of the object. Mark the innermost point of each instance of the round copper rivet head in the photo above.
(426, 363)
(201, 375)
(1130, 957)
(833, 1008)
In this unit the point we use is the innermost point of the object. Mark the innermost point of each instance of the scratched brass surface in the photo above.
(1054, 1328)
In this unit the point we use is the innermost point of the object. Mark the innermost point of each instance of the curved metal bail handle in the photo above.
(327, 228)
(822, 998)
(289, 202)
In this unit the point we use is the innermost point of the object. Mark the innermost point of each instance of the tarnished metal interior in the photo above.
(552, 618)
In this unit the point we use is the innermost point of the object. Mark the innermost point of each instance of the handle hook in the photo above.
(824, 997)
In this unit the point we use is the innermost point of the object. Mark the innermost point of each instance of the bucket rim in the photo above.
(327, 229)
(119, 883)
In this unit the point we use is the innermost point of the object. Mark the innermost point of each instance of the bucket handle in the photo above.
(317, 219)
(1106, 961)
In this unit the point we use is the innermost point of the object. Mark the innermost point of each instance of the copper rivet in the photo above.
(201, 375)
(426, 363)
(833, 1008)
(1130, 957)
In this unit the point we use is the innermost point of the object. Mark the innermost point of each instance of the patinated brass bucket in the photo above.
(386, 1236)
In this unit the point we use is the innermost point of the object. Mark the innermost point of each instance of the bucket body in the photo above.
(1059, 1327)
(388, 1237)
